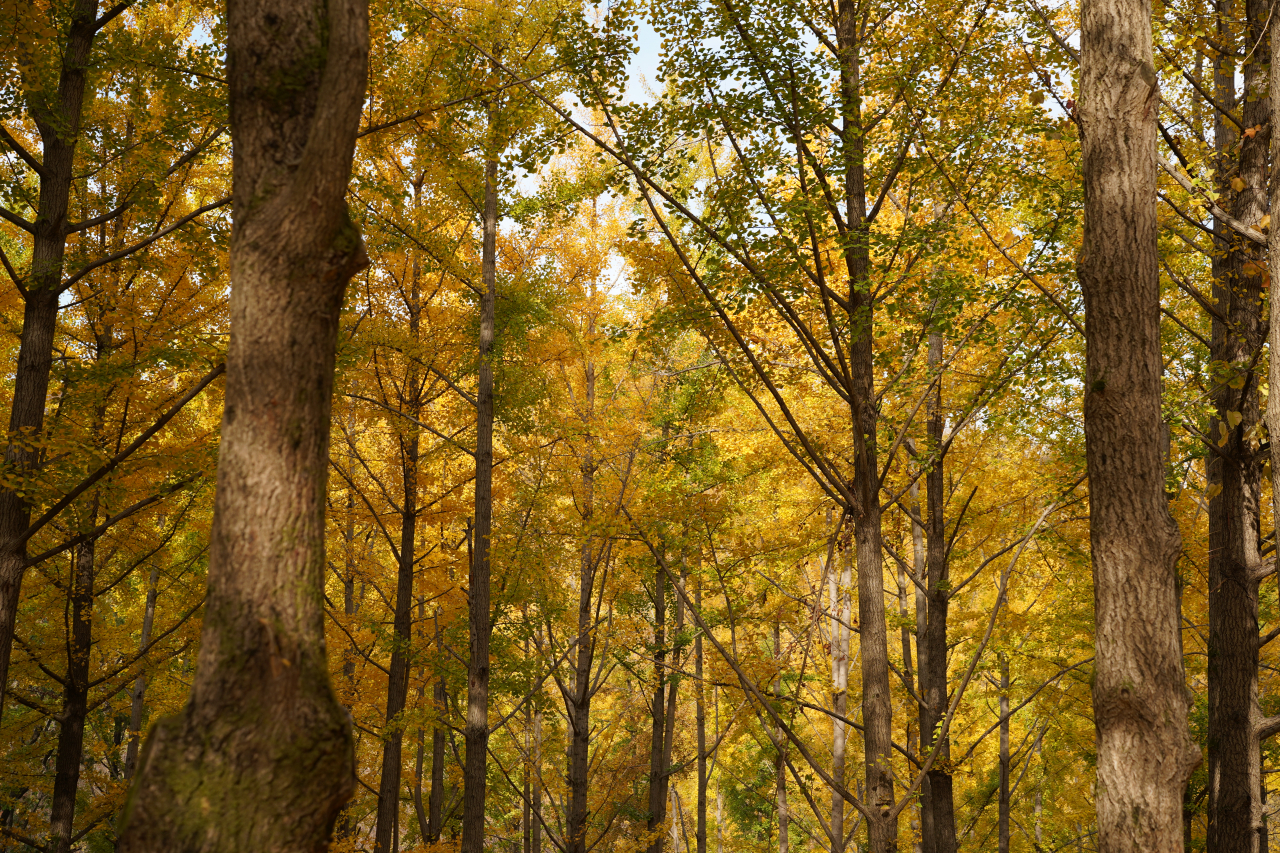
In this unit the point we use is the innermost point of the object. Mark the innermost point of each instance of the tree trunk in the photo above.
(1003, 813)
(779, 765)
(261, 757)
(920, 570)
(535, 808)
(59, 125)
(138, 693)
(440, 696)
(932, 655)
(477, 725)
(658, 714)
(1144, 749)
(580, 710)
(1233, 466)
(385, 840)
(873, 634)
(700, 712)
(75, 702)
(841, 615)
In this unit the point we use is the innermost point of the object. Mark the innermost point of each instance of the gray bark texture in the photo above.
(261, 756)
(1233, 466)
(1145, 752)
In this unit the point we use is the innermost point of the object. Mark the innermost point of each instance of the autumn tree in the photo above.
(262, 695)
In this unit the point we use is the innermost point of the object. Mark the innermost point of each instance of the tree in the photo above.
(1145, 753)
(263, 735)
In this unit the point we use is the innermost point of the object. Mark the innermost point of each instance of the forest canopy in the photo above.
(702, 425)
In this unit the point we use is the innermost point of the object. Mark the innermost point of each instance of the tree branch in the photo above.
(112, 463)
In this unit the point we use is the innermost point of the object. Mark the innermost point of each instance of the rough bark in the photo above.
(1234, 475)
(476, 732)
(261, 756)
(939, 825)
(58, 123)
(1144, 749)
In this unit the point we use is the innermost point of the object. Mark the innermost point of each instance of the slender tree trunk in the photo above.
(700, 712)
(1003, 814)
(906, 633)
(719, 819)
(138, 693)
(58, 122)
(535, 808)
(658, 714)
(477, 724)
(919, 566)
(873, 634)
(673, 691)
(263, 735)
(1234, 474)
(1145, 754)
(841, 614)
(580, 710)
(440, 697)
(75, 699)
(779, 764)
(385, 837)
(933, 654)
(1038, 807)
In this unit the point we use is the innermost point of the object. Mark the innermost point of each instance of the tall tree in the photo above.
(1145, 753)
(261, 757)
(1233, 466)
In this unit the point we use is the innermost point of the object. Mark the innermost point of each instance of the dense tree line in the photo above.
(424, 434)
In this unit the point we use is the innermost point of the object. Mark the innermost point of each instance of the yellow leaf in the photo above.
(1234, 419)
(1265, 222)
(1238, 185)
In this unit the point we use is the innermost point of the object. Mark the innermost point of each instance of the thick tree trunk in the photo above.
(261, 757)
(477, 723)
(59, 125)
(138, 694)
(1144, 747)
(1234, 475)
(940, 821)
(75, 703)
